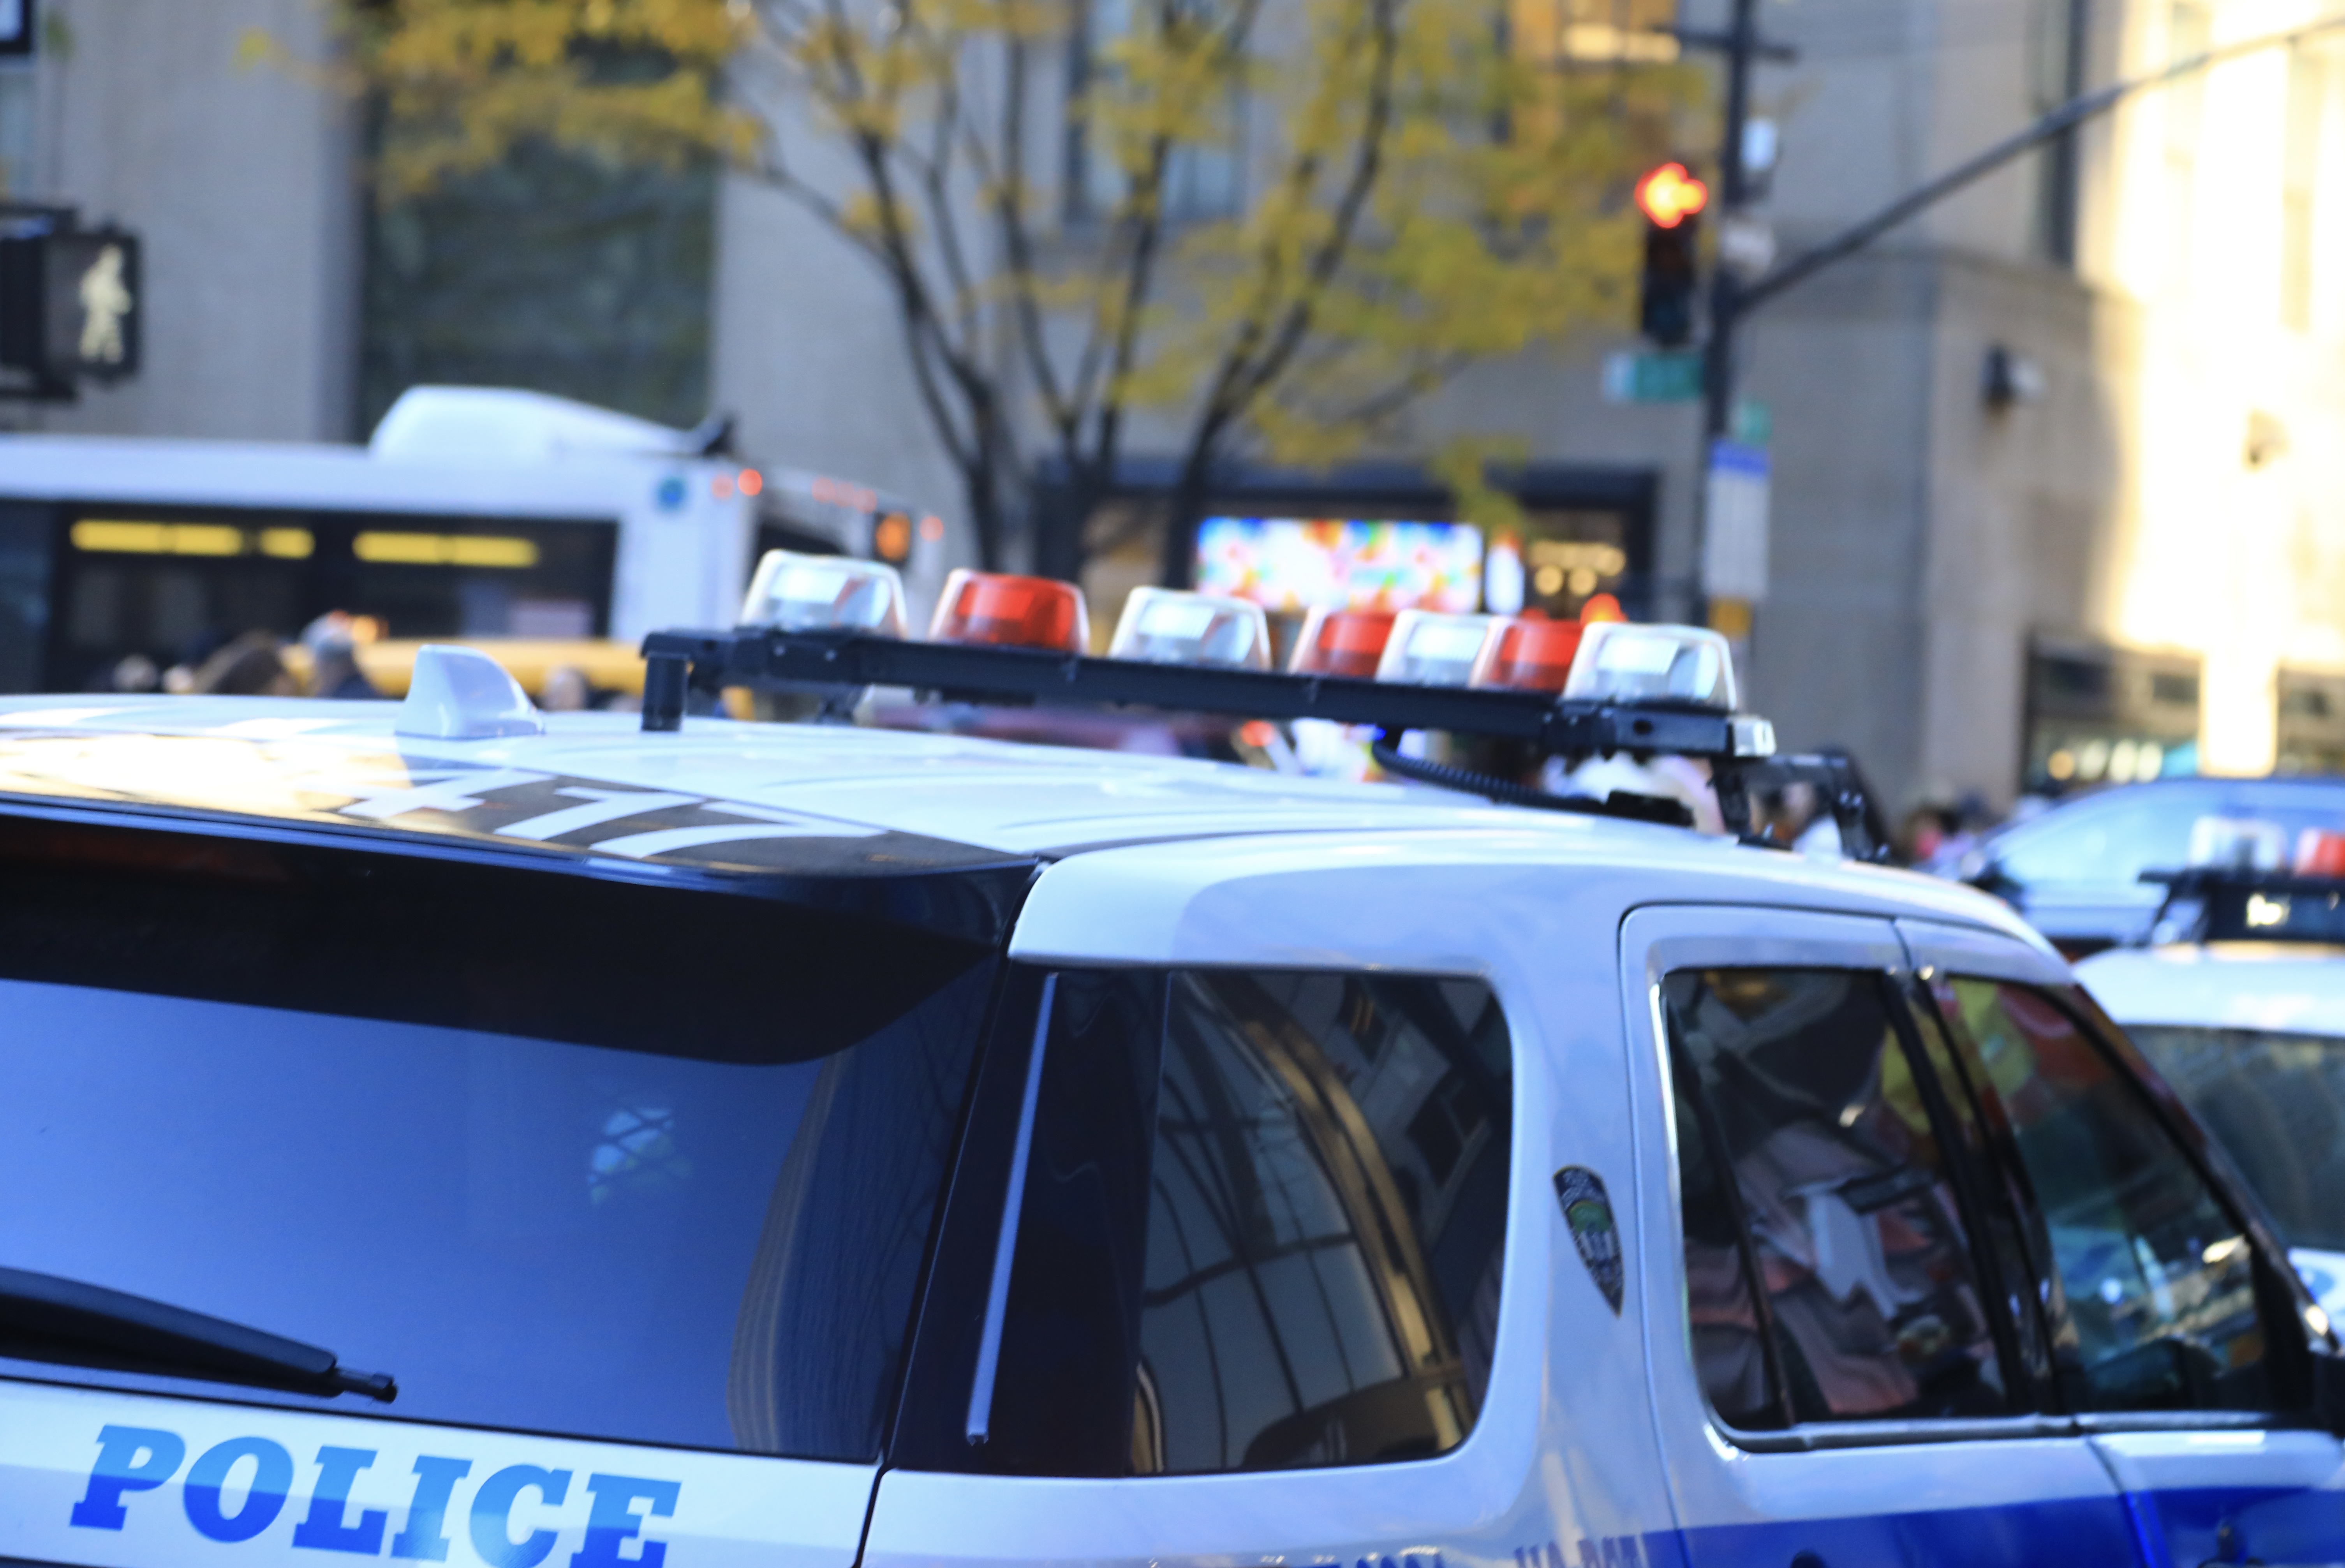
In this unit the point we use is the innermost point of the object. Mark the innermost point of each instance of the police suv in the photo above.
(450, 1133)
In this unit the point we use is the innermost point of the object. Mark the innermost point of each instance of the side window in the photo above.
(1327, 1219)
(1263, 1229)
(2158, 1278)
(1808, 1159)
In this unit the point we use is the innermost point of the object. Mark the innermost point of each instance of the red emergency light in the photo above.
(1342, 642)
(1535, 655)
(1010, 611)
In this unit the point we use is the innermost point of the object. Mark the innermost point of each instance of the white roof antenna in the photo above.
(462, 694)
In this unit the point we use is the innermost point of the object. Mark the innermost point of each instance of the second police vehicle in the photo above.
(446, 1133)
(2237, 996)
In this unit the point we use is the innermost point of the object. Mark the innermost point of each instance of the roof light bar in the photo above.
(794, 593)
(780, 660)
(1430, 648)
(1163, 625)
(1642, 690)
(1004, 611)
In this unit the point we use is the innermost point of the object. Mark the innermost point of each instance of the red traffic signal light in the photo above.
(1669, 195)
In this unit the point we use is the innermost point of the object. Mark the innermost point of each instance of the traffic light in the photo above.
(1671, 200)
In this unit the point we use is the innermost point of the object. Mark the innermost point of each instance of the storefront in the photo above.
(1382, 536)
(2097, 714)
(2311, 728)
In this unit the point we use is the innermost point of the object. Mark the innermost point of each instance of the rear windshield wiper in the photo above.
(44, 1317)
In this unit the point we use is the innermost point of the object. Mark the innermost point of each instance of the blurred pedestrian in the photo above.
(1966, 823)
(1927, 827)
(134, 672)
(332, 641)
(246, 666)
(566, 690)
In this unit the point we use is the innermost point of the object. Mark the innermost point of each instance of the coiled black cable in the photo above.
(1507, 792)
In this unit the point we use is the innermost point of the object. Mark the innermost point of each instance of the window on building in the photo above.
(1809, 1159)
(2307, 89)
(1204, 178)
(548, 270)
(2158, 1280)
(16, 134)
(1552, 32)
(1563, 39)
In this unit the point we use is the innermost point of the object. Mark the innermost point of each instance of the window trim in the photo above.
(1682, 1081)
(1811, 1437)
(1973, 1190)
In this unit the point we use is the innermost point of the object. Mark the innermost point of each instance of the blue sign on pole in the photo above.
(1734, 521)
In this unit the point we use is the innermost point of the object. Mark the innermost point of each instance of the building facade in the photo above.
(2052, 495)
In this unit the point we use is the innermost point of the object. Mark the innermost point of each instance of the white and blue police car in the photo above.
(447, 1133)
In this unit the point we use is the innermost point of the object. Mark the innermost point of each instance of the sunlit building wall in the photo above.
(2220, 217)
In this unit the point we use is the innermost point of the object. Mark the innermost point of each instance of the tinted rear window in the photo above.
(558, 1153)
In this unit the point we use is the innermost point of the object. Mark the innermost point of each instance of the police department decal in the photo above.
(259, 1475)
(1588, 1212)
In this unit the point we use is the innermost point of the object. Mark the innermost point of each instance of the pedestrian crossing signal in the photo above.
(70, 303)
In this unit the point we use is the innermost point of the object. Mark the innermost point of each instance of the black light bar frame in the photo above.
(839, 664)
(2209, 903)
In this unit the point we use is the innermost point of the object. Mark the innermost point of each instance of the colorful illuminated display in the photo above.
(1293, 563)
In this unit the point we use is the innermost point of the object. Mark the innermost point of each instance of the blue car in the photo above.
(2074, 872)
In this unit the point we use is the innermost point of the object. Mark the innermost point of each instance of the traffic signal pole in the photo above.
(1739, 42)
(1732, 299)
(1743, 48)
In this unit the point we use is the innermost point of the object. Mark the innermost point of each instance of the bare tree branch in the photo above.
(1241, 382)
(1010, 221)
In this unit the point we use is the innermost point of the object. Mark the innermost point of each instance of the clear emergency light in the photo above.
(1005, 611)
(1430, 648)
(1622, 662)
(1165, 626)
(796, 592)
